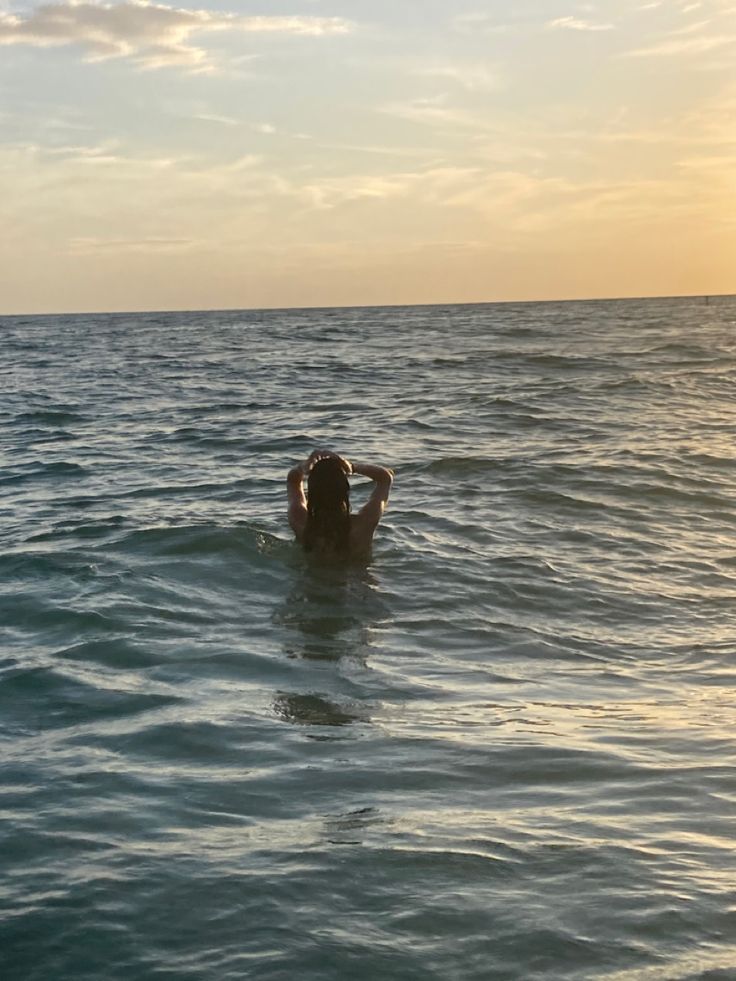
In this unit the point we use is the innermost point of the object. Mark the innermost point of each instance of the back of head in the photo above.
(328, 507)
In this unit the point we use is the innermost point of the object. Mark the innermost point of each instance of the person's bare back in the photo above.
(321, 520)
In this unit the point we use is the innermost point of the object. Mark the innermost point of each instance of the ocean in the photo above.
(503, 748)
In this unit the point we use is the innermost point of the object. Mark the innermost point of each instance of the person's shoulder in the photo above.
(361, 534)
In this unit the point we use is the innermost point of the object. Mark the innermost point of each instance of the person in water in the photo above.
(322, 521)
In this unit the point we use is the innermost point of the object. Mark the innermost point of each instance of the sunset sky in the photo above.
(218, 154)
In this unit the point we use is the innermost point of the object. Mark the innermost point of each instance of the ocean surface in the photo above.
(504, 748)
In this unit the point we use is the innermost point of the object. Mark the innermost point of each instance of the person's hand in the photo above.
(322, 454)
(344, 463)
(314, 457)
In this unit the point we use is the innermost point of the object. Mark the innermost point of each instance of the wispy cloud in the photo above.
(70, 157)
(674, 46)
(576, 24)
(91, 245)
(713, 30)
(153, 35)
(483, 23)
(211, 117)
(480, 22)
(433, 111)
(473, 77)
(435, 184)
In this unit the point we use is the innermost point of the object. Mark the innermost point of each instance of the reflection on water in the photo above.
(328, 615)
(349, 829)
(314, 710)
(329, 612)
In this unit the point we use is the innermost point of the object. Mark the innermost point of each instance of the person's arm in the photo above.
(371, 512)
(297, 501)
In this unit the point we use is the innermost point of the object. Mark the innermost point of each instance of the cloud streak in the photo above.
(576, 24)
(153, 35)
(677, 46)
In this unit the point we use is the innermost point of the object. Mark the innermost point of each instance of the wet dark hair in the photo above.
(328, 507)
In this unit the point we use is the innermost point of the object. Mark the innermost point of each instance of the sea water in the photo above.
(502, 749)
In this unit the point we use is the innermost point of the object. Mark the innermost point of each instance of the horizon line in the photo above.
(367, 306)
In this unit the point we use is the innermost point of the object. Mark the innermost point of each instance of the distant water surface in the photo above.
(502, 749)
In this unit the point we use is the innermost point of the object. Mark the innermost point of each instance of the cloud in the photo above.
(433, 111)
(90, 245)
(483, 23)
(712, 31)
(153, 35)
(683, 46)
(576, 24)
(211, 117)
(478, 22)
(64, 161)
(473, 77)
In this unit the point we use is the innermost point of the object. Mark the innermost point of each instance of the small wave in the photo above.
(640, 384)
(689, 352)
(204, 410)
(42, 698)
(549, 497)
(644, 491)
(83, 530)
(702, 458)
(48, 436)
(115, 652)
(449, 360)
(202, 540)
(44, 471)
(502, 403)
(27, 611)
(51, 417)
(463, 466)
(549, 360)
(35, 565)
(194, 744)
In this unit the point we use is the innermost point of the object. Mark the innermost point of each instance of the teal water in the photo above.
(502, 749)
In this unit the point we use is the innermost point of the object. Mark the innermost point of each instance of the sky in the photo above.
(215, 154)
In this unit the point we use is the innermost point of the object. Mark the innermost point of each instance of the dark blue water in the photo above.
(502, 749)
